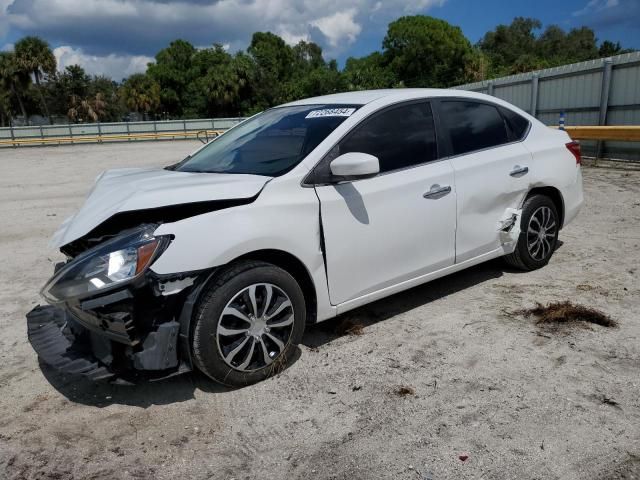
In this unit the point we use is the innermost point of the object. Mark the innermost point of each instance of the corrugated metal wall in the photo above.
(577, 90)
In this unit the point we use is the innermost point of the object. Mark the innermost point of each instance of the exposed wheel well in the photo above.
(555, 196)
(297, 269)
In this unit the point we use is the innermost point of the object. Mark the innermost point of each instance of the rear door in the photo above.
(492, 171)
(398, 225)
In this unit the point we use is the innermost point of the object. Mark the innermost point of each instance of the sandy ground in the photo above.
(521, 402)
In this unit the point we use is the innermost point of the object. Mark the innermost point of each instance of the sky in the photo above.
(119, 37)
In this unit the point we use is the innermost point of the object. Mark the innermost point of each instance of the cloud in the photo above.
(596, 6)
(143, 27)
(112, 65)
(611, 15)
(4, 19)
(339, 27)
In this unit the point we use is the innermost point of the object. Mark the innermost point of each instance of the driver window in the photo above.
(400, 137)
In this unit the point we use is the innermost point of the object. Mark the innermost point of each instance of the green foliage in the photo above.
(517, 48)
(34, 56)
(581, 44)
(222, 83)
(426, 52)
(507, 43)
(141, 93)
(83, 98)
(273, 60)
(369, 72)
(174, 71)
(14, 83)
(186, 82)
(607, 49)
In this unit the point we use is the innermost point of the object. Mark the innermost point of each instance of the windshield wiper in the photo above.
(176, 165)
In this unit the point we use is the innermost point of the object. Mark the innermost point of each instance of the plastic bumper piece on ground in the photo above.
(48, 332)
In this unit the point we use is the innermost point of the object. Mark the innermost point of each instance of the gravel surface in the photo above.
(441, 382)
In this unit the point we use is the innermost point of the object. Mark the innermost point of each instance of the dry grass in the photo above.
(349, 327)
(403, 391)
(564, 313)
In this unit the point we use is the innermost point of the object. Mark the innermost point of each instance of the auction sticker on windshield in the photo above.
(331, 112)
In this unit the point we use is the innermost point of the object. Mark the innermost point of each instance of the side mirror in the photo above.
(203, 136)
(354, 166)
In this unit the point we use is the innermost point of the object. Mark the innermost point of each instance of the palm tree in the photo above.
(5, 106)
(141, 93)
(11, 78)
(92, 108)
(33, 55)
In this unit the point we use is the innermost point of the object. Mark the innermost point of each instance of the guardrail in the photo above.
(112, 132)
(110, 138)
(616, 133)
(598, 133)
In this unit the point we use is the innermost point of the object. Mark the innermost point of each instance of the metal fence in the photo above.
(130, 130)
(598, 92)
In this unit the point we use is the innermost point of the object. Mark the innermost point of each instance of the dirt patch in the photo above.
(483, 390)
(567, 313)
(628, 469)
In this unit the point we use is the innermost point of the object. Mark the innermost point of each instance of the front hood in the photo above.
(130, 189)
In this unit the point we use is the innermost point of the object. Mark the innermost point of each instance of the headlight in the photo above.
(114, 262)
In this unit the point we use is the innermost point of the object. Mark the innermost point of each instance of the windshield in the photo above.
(271, 143)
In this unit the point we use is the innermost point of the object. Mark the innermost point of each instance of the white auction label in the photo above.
(331, 112)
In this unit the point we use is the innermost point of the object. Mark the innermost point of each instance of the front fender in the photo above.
(216, 238)
(284, 217)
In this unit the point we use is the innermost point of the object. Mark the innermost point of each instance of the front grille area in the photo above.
(115, 325)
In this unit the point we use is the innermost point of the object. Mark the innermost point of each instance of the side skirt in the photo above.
(385, 292)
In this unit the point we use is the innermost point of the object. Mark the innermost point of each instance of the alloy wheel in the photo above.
(255, 327)
(541, 233)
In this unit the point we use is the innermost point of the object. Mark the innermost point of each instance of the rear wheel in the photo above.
(248, 323)
(539, 227)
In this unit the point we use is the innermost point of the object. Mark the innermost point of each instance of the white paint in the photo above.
(355, 164)
(381, 235)
(509, 228)
(485, 188)
(382, 231)
(128, 189)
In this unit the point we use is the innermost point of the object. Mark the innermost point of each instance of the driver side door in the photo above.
(399, 225)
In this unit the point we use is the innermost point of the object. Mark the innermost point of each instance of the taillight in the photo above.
(574, 147)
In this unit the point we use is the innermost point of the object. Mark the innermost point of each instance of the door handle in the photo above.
(519, 171)
(437, 191)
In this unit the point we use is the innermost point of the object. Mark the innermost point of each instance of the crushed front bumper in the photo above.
(50, 335)
(66, 345)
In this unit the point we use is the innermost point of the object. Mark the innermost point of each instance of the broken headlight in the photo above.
(109, 264)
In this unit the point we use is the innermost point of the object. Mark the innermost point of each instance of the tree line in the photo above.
(187, 82)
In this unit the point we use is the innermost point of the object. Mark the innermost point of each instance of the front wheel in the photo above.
(248, 323)
(539, 228)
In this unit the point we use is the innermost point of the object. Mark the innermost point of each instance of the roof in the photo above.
(367, 96)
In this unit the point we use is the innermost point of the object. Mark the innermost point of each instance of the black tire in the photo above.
(224, 288)
(522, 257)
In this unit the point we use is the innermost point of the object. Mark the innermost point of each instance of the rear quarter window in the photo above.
(518, 125)
(473, 125)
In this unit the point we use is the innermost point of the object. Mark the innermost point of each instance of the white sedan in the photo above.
(297, 215)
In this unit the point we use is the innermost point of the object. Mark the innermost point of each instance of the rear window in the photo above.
(473, 125)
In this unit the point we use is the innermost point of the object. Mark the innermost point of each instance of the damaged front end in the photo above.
(110, 316)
